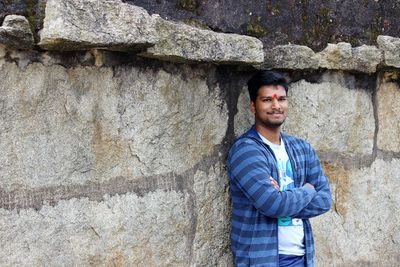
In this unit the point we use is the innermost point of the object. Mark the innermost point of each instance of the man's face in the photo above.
(271, 106)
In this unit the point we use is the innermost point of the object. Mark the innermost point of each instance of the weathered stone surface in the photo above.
(339, 56)
(294, 57)
(213, 218)
(341, 118)
(243, 118)
(313, 23)
(88, 151)
(108, 24)
(122, 230)
(362, 228)
(391, 48)
(181, 43)
(16, 32)
(336, 56)
(342, 56)
(388, 108)
(85, 124)
(366, 58)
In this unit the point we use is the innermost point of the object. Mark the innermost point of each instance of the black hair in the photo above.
(265, 77)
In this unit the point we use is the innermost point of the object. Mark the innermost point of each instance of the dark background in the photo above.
(307, 22)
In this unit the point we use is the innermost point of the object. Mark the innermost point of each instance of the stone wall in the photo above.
(116, 126)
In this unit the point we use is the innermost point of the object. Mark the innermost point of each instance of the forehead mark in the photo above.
(275, 96)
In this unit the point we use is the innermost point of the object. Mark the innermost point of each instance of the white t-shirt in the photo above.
(290, 230)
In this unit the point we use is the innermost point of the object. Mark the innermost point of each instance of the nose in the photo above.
(275, 103)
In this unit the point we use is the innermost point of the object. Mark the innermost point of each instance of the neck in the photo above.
(272, 134)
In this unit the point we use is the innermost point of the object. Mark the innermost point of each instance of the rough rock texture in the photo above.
(339, 56)
(391, 47)
(388, 106)
(179, 42)
(341, 117)
(16, 33)
(107, 124)
(366, 58)
(313, 23)
(112, 166)
(82, 24)
(336, 56)
(294, 57)
(362, 229)
(121, 230)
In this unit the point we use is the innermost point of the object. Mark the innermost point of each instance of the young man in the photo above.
(277, 184)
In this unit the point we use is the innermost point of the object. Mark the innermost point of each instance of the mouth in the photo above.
(276, 114)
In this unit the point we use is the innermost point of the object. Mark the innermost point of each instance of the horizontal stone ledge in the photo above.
(85, 24)
(16, 33)
(182, 43)
(114, 25)
(339, 56)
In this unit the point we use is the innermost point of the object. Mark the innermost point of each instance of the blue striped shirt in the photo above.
(256, 204)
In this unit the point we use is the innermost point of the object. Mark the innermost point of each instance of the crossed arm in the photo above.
(248, 172)
(322, 200)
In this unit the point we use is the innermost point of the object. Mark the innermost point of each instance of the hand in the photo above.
(309, 185)
(274, 183)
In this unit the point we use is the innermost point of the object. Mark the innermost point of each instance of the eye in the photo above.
(282, 98)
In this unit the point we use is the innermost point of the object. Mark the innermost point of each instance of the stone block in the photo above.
(107, 24)
(121, 230)
(331, 116)
(391, 49)
(362, 227)
(388, 108)
(336, 56)
(296, 57)
(16, 32)
(366, 58)
(182, 43)
(339, 56)
(91, 125)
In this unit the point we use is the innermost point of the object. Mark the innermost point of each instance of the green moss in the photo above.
(196, 23)
(34, 13)
(255, 28)
(30, 14)
(273, 9)
(320, 25)
(190, 5)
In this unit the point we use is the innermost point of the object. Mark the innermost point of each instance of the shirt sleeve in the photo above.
(248, 169)
(322, 201)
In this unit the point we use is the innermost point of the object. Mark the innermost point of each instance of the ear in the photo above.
(252, 107)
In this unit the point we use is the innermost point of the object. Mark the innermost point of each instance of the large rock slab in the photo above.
(332, 116)
(87, 125)
(16, 32)
(391, 48)
(108, 24)
(362, 227)
(182, 43)
(388, 108)
(88, 151)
